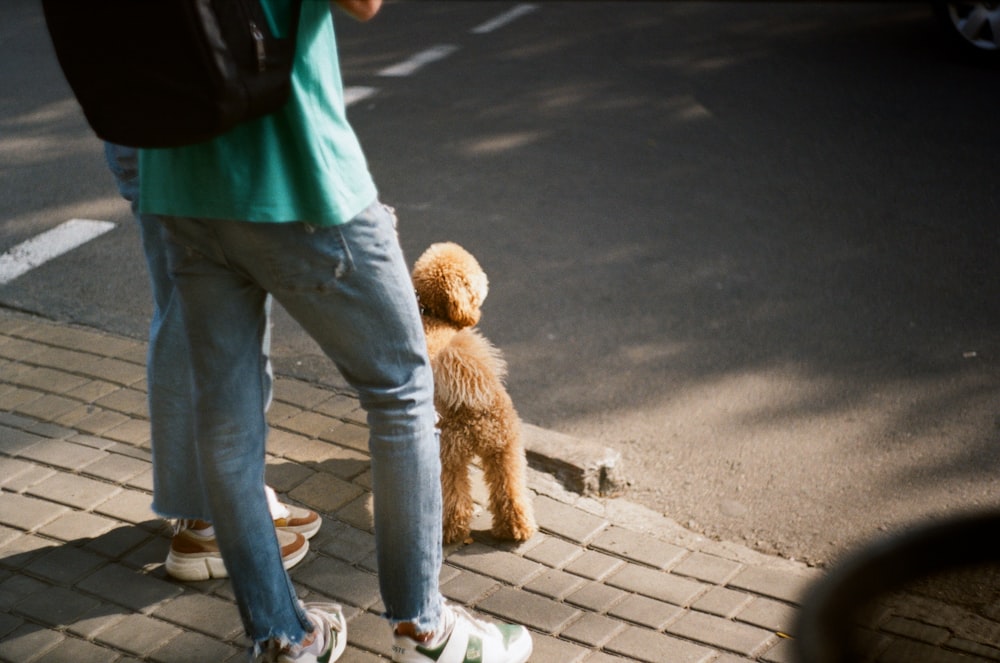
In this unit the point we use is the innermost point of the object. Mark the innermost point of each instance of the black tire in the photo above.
(971, 27)
(826, 628)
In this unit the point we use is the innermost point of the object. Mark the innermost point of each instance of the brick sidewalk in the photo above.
(81, 554)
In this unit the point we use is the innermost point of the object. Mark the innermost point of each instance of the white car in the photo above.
(972, 26)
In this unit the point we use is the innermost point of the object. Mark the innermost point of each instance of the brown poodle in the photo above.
(476, 415)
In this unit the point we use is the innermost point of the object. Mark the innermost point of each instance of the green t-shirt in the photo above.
(301, 163)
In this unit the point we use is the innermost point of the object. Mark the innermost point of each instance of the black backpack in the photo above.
(163, 73)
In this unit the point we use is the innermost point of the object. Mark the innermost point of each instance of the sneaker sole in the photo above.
(308, 531)
(195, 568)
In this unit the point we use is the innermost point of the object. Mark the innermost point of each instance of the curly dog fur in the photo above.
(477, 416)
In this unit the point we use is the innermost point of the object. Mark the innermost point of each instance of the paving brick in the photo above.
(552, 551)
(8, 624)
(125, 400)
(91, 390)
(60, 453)
(196, 648)
(117, 468)
(97, 421)
(567, 522)
(497, 564)
(301, 394)
(55, 606)
(49, 380)
(358, 513)
(350, 435)
(467, 587)
(50, 430)
(642, 644)
(128, 505)
(371, 632)
(718, 632)
(11, 468)
(339, 580)
(134, 432)
(16, 588)
(116, 371)
(637, 547)
(206, 614)
(284, 475)
(20, 350)
(132, 589)
(909, 628)
(769, 614)
(342, 407)
(974, 648)
(325, 493)
(657, 584)
(645, 611)
(592, 630)
(596, 597)
(723, 602)
(78, 651)
(14, 400)
(529, 609)
(27, 643)
(344, 542)
(310, 424)
(95, 620)
(776, 583)
(908, 651)
(120, 539)
(784, 652)
(707, 567)
(74, 490)
(138, 634)
(281, 442)
(27, 513)
(554, 584)
(594, 565)
(546, 648)
(65, 564)
(49, 406)
(8, 535)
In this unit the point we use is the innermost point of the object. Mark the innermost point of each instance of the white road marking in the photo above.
(354, 94)
(50, 244)
(505, 18)
(415, 62)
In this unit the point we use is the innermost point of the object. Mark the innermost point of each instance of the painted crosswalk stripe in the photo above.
(356, 93)
(505, 18)
(50, 244)
(415, 62)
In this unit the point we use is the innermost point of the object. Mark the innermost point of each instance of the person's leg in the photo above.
(225, 321)
(176, 474)
(349, 288)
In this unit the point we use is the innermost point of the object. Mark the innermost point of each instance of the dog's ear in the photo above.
(450, 284)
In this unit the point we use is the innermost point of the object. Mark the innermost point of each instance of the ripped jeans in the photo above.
(349, 288)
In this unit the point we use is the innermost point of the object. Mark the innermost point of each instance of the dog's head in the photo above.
(450, 284)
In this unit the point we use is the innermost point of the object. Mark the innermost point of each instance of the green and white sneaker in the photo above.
(464, 639)
(328, 618)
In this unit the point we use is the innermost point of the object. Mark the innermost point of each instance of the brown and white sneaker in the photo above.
(290, 517)
(194, 553)
(297, 519)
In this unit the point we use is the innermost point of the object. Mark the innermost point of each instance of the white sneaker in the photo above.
(465, 638)
(329, 621)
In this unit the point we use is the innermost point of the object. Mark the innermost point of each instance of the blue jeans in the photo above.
(349, 287)
(176, 481)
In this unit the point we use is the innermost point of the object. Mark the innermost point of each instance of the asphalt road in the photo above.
(750, 245)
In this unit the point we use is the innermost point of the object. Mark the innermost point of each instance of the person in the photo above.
(193, 554)
(285, 205)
